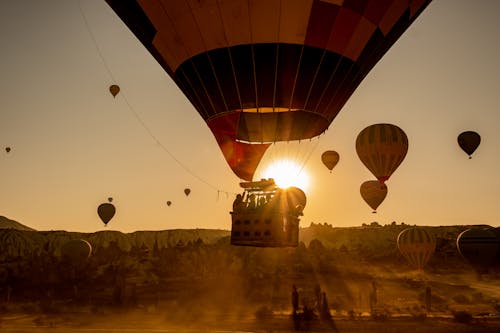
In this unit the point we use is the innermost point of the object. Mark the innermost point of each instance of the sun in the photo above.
(287, 173)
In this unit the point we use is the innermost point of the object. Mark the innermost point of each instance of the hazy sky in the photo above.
(74, 145)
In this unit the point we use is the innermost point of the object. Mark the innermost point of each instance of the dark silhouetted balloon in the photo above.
(106, 211)
(295, 196)
(169, 203)
(373, 192)
(330, 159)
(187, 191)
(469, 141)
(259, 72)
(479, 246)
(110, 199)
(417, 245)
(7, 149)
(114, 90)
(76, 251)
(382, 148)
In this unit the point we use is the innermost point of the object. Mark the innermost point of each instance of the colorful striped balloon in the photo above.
(382, 148)
(417, 245)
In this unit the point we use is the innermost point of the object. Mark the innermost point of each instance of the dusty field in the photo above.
(153, 322)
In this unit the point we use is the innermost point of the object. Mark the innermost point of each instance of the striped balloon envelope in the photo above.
(262, 71)
(417, 245)
(382, 148)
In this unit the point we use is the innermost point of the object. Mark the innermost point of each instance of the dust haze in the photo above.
(347, 280)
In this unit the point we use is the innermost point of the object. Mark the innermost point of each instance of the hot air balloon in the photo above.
(262, 71)
(7, 149)
(110, 199)
(479, 246)
(469, 141)
(106, 211)
(169, 203)
(76, 251)
(187, 191)
(114, 90)
(417, 245)
(373, 192)
(382, 148)
(330, 159)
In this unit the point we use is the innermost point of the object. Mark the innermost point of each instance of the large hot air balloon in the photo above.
(469, 141)
(373, 192)
(382, 148)
(417, 245)
(106, 211)
(479, 246)
(76, 251)
(114, 90)
(262, 71)
(330, 158)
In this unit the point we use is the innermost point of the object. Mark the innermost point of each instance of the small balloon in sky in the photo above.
(169, 203)
(330, 158)
(106, 211)
(373, 193)
(187, 191)
(469, 141)
(114, 90)
(7, 149)
(110, 199)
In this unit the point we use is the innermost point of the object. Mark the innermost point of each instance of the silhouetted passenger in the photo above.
(251, 202)
(238, 203)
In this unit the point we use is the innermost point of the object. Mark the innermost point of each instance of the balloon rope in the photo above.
(136, 115)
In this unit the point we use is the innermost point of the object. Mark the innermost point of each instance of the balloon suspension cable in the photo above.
(136, 115)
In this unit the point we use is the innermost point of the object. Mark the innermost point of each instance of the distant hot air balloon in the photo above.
(330, 159)
(7, 149)
(110, 199)
(469, 141)
(262, 71)
(76, 251)
(187, 191)
(106, 211)
(169, 203)
(373, 192)
(479, 246)
(382, 148)
(114, 90)
(417, 245)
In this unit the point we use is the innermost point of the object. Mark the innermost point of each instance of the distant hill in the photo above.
(6, 223)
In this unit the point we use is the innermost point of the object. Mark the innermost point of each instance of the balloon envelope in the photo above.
(330, 158)
(106, 211)
(187, 191)
(382, 148)
(7, 149)
(256, 79)
(169, 203)
(373, 192)
(417, 245)
(114, 90)
(479, 246)
(469, 141)
(76, 251)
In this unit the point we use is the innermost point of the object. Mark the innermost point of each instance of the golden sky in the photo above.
(74, 145)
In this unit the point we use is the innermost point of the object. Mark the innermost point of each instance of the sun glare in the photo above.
(287, 173)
